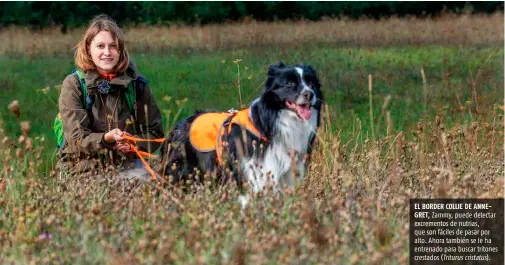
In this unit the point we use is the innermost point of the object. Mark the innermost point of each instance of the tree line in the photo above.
(77, 14)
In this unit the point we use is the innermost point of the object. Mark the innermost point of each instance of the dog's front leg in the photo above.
(267, 170)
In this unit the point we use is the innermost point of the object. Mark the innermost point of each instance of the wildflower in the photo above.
(167, 98)
(166, 112)
(245, 68)
(181, 101)
(45, 236)
(237, 60)
(249, 77)
(223, 61)
(45, 90)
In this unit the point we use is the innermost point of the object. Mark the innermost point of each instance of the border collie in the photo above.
(268, 142)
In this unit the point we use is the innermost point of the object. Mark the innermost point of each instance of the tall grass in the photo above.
(449, 29)
(352, 208)
(437, 132)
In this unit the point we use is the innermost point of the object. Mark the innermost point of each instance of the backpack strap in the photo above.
(131, 98)
(86, 99)
(133, 92)
(142, 79)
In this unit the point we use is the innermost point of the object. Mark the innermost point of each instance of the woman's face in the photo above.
(104, 52)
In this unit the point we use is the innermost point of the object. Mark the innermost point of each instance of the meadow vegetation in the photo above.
(414, 109)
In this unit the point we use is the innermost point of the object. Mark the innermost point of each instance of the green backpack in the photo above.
(87, 101)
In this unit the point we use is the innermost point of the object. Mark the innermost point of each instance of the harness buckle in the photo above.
(232, 111)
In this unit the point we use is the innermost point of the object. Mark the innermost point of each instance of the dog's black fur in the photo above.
(276, 116)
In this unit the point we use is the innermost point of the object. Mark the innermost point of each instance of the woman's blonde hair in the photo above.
(83, 59)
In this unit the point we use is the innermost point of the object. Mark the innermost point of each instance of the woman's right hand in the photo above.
(116, 136)
(113, 136)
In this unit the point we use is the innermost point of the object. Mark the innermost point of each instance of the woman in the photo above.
(94, 132)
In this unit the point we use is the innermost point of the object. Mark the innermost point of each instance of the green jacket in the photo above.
(84, 130)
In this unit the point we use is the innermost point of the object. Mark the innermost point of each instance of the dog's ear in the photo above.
(272, 100)
(307, 68)
(313, 73)
(310, 68)
(274, 67)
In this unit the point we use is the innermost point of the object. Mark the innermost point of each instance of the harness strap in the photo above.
(220, 145)
(225, 128)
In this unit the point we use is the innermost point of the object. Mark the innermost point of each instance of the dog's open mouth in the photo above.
(302, 110)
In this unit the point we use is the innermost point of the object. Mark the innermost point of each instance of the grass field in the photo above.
(437, 119)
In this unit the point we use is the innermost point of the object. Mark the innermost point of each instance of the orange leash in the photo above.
(142, 154)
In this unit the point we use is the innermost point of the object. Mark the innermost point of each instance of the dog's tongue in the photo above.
(304, 113)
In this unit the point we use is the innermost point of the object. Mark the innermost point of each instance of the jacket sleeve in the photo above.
(150, 124)
(76, 122)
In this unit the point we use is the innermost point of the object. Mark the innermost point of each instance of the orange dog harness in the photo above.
(207, 130)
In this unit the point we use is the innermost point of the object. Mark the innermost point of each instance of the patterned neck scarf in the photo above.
(104, 86)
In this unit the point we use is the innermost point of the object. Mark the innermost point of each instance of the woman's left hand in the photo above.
(122, 146)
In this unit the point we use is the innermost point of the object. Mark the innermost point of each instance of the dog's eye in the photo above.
(291, 84)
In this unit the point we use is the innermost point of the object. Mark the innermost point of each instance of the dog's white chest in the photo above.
(282, 162)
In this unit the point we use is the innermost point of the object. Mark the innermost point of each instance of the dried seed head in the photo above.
(25, 127)
(443, 190)
(21, 139)
(14, 108)
(354, 258)
(28, 143)
(382, 233)
(438, 120)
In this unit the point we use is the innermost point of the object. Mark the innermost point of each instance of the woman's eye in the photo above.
(101, 46)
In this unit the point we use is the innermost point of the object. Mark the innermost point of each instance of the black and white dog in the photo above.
(268, 142)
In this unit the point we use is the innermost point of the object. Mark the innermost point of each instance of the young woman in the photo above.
(93, 125)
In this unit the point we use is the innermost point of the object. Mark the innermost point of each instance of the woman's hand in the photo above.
(123, 147)
(113, 135)
(116, 135)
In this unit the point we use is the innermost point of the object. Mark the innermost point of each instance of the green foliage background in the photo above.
(75, 14)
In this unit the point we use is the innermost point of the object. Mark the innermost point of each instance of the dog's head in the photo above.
(295, 88)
